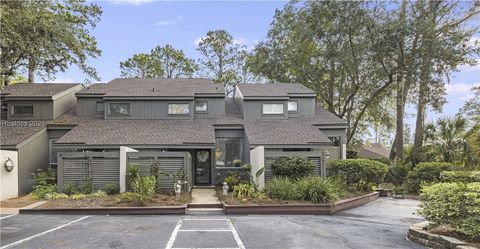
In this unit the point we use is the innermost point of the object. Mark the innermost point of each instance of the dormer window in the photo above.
(179, 109)
(22, 110)
(201, 106)
(293, 106)
(119, 109)
(272, 108)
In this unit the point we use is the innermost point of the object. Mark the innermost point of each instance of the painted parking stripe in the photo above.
(43, 233)
(235, 235)
(8, 216)
(174, 234)
(205, 230)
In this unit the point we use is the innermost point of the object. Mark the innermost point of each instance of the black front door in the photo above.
(202, 167)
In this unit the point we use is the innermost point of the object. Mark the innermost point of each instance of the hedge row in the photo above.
(360, 174)
(460, 176)
(427, 172)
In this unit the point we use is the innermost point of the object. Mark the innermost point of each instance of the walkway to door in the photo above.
(204, 197)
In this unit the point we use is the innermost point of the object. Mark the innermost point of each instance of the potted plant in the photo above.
(237, 162)
(398, 192)
(385, 188)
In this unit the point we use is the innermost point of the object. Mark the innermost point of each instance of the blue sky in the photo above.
(134, 26)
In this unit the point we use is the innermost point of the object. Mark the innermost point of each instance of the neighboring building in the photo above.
(373, 151)
(190, 126)
(23, 131)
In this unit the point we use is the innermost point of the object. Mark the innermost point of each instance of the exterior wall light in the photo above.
(9, 165)
(327, 154)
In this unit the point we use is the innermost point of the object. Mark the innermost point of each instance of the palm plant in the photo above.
(446, 138)
(472, 146)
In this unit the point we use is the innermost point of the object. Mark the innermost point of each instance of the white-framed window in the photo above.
(293, 106)
(100, 106)
(335, 140)
(179, 109)
(274, 108)
(201, 106)
(22, 110)
(119, 109)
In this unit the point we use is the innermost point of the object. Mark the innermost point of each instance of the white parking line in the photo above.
(230, 225)
(8, 216)
(43, 233)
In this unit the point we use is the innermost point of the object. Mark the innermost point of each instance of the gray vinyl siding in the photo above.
(42, 110)
(253, 110)
(32, 155)
(215, 107)
(87, 107)
(64, 104)
(149, 109)
(306, 107)
(342, 133)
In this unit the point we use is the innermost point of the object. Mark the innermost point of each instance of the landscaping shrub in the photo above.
(111, 188)
(133, 173)
(397, 174)
(294, 167)
(460, 176)
(44, 183)
(98, 194)
(319, 190)
(243, 190)
(360, 174)
(233, 179)
(453, 204)
(129, 197)
(42, 190)
(425, 173)
(145, 186)
(75, 189)
(55, 196)
(282, 188)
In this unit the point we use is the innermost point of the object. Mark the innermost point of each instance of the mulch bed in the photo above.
(18, 202)
(112, 201)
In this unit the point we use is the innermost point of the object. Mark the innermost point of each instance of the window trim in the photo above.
(274, 103)
(13, 114)
(103, 102)
(241, 152)
(195, 106)
(294, 111)
(110, 114)
(178, 114)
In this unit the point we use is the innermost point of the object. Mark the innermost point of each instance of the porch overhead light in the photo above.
(327, 154)
(9, 165)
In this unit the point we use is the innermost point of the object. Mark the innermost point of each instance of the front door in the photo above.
(202, 167)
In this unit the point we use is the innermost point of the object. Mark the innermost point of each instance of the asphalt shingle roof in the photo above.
(14, 132)
(36, 89)
(154, 87)
(273, 89)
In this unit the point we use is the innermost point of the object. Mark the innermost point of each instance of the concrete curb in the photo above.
(419, 235)
(318, 209)
(161, 210)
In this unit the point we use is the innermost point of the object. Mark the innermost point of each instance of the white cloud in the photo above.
(170, 22)
(198, 40)
(459, 88)
(134, 2)
(62, 80)
(470, 68)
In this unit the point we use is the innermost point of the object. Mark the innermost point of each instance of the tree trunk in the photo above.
(31, 70)
(331, 85)
(398, 142)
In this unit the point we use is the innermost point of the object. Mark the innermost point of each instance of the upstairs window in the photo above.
(22, 110)
(119, 109)
(201, 106)
(178, 109)
(292, 106)
(100, 107)
(272, 108)
(335, 140)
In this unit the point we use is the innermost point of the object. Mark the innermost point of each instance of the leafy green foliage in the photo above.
(75, 189)
(360, 174)
(111, 188)
(44, 183)
(133, 173)
(55, 196)
(232, 180)
(460, 176)
(41, 191)
(425, 173)
(131, 197)
(294, 167)
(446, 139)
(453, 204)
(397, 174)
(243, 191)
(145, 186)
(282, 188)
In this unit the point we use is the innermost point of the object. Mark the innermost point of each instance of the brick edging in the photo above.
(418, 234)
(160, 210)
(318, 209)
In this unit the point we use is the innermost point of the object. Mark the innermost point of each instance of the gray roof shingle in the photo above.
(14, 132)
(154, 88)
(36, 89)
(272, 89)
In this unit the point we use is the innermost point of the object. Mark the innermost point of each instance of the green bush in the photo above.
(425, 173)
(243, 190)
(320, 190)
(454, 204)
(397, 174)
(133, 173)
(111, 188)
(98, 194)
(294, 167)
(145, 186)
(55, 196)
(44, 183)
(129, 197)
(233, 179)
(42, 190)
(282, 188)
(460, 176)
(359, 174)
(76, 189)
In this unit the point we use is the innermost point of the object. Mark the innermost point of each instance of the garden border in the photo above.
(418, 234)
(319, 209)
(154, 210)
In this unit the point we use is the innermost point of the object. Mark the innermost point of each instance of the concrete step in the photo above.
(204, 187)
(204, 205)
(204, 211)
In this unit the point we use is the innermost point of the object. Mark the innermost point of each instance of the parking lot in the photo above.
(380, 224)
